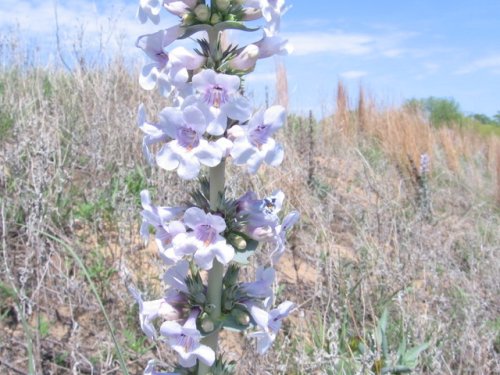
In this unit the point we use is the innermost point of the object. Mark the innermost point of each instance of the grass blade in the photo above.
(91, 284)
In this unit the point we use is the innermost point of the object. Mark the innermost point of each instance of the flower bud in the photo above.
(223, 5)
(215, 18)
(239, 242)
(207, 325)
(241, 317)
(202, 12)
(188, 19)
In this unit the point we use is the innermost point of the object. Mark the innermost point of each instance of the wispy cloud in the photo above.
(261, 77)
(80, 24)
(307, 43)
(344, 43)
(353, 74)
(491, 63)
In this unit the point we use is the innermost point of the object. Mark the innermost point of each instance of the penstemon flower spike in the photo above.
(205, 242)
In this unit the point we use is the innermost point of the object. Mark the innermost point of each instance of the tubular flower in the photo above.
(245, 59)
(149, 9)
(185, 340)
(220, 94)
(253, 144)
(179, 8)
(272, 44)
(272, 10)
(204, 241)
(279, 241)
(269, 324)
(188, 149)
(153, 134)
(260, 215)
(176, 276)
(154, 46)
(159, 218)
(262, 286)
(150, 310)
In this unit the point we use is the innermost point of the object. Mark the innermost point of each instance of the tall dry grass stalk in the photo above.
(281, 84)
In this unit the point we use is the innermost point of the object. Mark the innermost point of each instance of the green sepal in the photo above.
(234, 25)
(231, 324)
(241, 256)
(193, 29)
(221, 26)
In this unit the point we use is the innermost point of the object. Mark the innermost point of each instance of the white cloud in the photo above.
(489, 63)
(353, 74)
(83, 25)
(306, 43)
(261, 77)
(355, 44)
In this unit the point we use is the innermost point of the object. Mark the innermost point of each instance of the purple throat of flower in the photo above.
(216, 96)
(188, 138)
(259, 135)
(205, 233)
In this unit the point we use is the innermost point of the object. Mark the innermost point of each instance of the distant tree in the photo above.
(483, 119)
(439, 111)
(496, 118)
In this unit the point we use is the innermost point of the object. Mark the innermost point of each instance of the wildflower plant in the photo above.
(205, 242)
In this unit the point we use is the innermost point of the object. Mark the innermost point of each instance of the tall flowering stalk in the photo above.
(211, 123)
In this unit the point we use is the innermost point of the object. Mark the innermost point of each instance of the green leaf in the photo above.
(235, 25)
(190, 30)
(380, 333)
(396, 370)
(410, 358)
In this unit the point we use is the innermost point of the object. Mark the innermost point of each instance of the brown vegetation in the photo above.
(72, 167)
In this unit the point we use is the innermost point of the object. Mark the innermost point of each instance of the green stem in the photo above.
(216, 273)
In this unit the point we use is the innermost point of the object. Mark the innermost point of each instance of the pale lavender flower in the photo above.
(204, 241)
(185, 340)
(272, 44)
(153, 134)
(272, 10)
(220, 93)
(176, 276)
(151, 310)
(253, 145)
(180, 8)
(246, 58)
(149, 9)
(269, 324)
(181, 61)
(262, 286)
(188, 150)
(260, 215)
(279, 241)
(154, 46)
(162, 219)
(151, 369)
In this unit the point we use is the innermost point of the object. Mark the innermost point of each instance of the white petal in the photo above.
(208, 153)
(149, 76)
(166, 159)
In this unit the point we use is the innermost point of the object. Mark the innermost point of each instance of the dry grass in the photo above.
(72, 167)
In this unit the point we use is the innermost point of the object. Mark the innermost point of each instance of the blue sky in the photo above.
(394, 49)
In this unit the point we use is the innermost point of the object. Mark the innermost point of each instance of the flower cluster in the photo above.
(210, 120)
